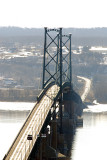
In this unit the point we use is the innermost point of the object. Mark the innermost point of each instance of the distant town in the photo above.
(21, 58)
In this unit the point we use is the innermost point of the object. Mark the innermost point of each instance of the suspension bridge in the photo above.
(44, 135)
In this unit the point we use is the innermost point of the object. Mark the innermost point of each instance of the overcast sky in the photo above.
(53, 13)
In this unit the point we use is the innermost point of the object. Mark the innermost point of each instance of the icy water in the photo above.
(89, 142)
(12, 117)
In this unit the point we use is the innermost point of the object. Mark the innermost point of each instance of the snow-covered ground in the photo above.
(86, 88)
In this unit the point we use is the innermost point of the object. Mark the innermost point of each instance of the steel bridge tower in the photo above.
(57, 60)
(57, 65)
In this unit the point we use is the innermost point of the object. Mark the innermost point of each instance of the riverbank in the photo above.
(18, 95)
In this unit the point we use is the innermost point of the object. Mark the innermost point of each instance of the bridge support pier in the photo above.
(48, 148)
(54, 134)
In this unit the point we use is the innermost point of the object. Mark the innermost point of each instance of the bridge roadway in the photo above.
(21, 146)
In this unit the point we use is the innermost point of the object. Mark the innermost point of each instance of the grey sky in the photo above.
(53, 13)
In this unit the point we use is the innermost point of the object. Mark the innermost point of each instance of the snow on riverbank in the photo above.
(87, 87)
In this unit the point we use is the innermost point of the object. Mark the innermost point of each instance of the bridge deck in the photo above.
(22, 147)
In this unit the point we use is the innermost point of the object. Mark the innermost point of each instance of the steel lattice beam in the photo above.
(58, 60)
(61, 62)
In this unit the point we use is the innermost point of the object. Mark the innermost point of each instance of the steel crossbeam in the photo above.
(52, 59)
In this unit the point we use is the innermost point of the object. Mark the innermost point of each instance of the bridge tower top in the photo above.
(57, 65)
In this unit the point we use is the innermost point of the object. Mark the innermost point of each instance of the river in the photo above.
(89, 142)
(12, 117)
